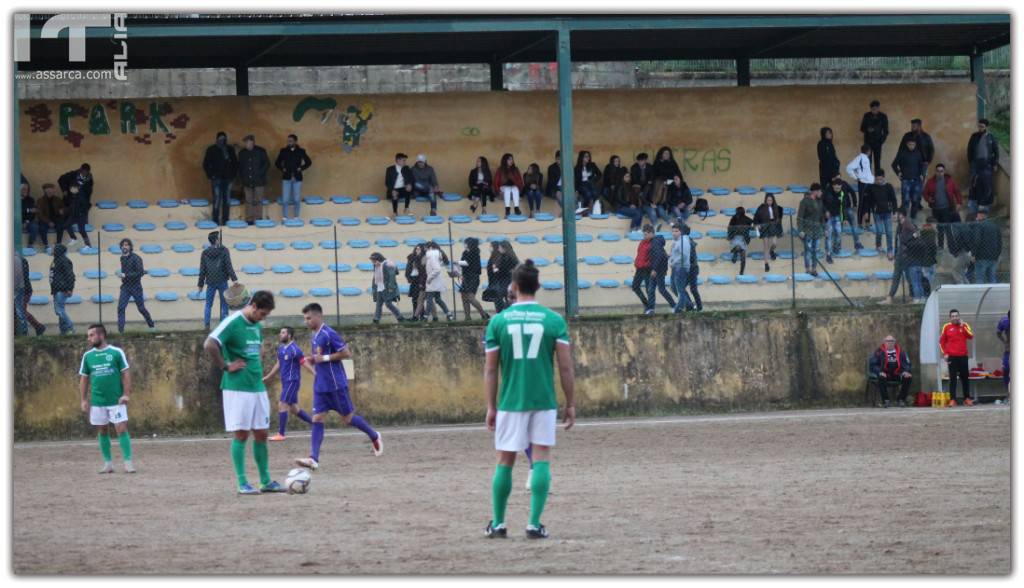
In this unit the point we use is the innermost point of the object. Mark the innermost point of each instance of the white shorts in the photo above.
(246, 411)
(104, 415)
(515, 431)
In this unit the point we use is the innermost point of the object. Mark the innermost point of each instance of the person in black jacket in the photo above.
(78, 184)
(292, 161)
(587, 177)
(667, 191)
(253, 165)
(910, 167)
(214, 271)
(986, 247)
(642, 174)
(880, 200)
(983, 156)
(659, 273)
(739, 236)
(923, 140)
(416, 275)
(221, 166)
(875, 126)
(768, 219)
(840, 202)
(131, 273)
(398, 182)
(891, 364)
(828, 162)
(470, 270)
(553, 187)
(62, 285)
(22, 295)
(480, 185)
(612, 176)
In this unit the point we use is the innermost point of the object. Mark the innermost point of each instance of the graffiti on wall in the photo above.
(353, 120)
(715, 160)
(133, 120)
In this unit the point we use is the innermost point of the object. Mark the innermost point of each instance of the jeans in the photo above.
(928, 273)
(680, 280)
(21, 323)
(981, 185)
(221, 200)
(657, 284)
(69, 226)
(533, 198)
(985, 271)
(833, 235)
(635, 216)
(679, 214)
(640, 279)
(883, 224)
(657, 212)
(129, 292)
(33, 232)
(211, 291)
(910, 190)
(291, 193)
(63, 320)
(914, 277)
(433, 297)
(391, 307)
(586, 193)
(944, 217)
(421, 189)
(810, 252)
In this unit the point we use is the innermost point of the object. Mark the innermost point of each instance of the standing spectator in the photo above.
(839, 201)
(810, 219)
(880, 199)
(553, 188)
(923, 140)
(961, 237)
(943, 196)
(499, 274)
(480, 185)
(875, 126)
(253, 165)
(642, 263)
(684, 269)
(76, 203)
(22, 295)
(659, 274)
(642, 175)
(860, 169)
(953, 344)
(413, 274)
(533, 180)
(928, 258)
(910, 168)
(587, 177)
(986, 248)
(398, 182)
(424, 182)
(509, 181)
(983, 155)
(1003, 332)
(131, 273)
(612, 179)
(920, 254)
(470, 269)
(739, 236)
(28, 215)
(221, 166)
(890, 364)
(906, 232)
(62, 286)
(78, 184)
(629, 203)
(50, 214)
(385, 287)
(828, 161)
(435, 262)
(292, 161)
(214, 271)
(768, 219)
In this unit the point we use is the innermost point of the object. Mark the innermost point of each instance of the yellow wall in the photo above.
(723, 136)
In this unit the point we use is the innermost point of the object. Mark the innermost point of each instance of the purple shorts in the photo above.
(290, 392)
(336, 400)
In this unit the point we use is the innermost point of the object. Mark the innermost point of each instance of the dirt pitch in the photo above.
(923, 491)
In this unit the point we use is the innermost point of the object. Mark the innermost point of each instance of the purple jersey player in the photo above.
(330, 385)
(289, 360)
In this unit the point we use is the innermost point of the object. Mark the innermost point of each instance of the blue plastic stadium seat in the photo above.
(159, 272)
(827, 276)
(719, 191)
(636, 236)
(746, 279)
(106, 205)
(460, 219)
(302, 245)
(720, 280)
(105, 299)
(113, 249)
(358, 243)
(182, 248)
(266, 223)
(628, 282)
(622, 259)
(746, 190)
(703, 257)
(496, 238)
(774, 278)
(788, 211)
(718, 233)
(245, 246)
(544, 216)
(798, 188)
(553, 239)
(703, 215)
(35, 276)
(856, 276)
(785, 254)
(422, 198)
(728, 211)
(551, 284)
(273, 246)
(403, 288)
(138, 204)
(756, 255)
(443, 241)
(405, 220)
(527, 239)
(488, 218)
(175, 226)
(167, 296)
(252, 270)
(88, 251)
(609, 237)
(320, 221)
(451, 197)
(291, 292)
(594, 260)
(206, 225)
(167, 203)
(772, 189)
(320, 292)
(234, 202)
(39, 299)
(339, 199)
(803, 277)
(236, 223)
(433, 220)
(198, 295)
(369, 199)
(883, 275)
(350, 291)
(517, 218)
(377, 220)
(199, 202)
(666, 235)
(584, 237)
(364, 266)
(559, 260)
(583, 284)
(400, 265)
(696, 192)
(866, 252)
(144, 227)
(386, 243)
(607, 283)
(313, 200)
(28, 251)
(538, 261)
(414, 241)
(340, 268)
(113, 227)
(281, 268)
(330, 244)
(94, 274)
(349, 221)
(843, 254)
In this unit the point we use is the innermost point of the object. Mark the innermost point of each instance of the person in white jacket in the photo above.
(861, 169)
(434, 263)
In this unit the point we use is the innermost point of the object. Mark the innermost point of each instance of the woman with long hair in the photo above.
(613, 176)
(480, 185)
(434, 263)
(739, 236)
(509, 181)
(668, 180)
(587, 176)
(768, 220)
(499, 272)
(533, 180)
(470, 264)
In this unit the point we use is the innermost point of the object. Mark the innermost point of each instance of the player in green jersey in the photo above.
(521, 341)
(104, 372)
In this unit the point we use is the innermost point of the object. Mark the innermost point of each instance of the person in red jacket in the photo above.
(508, 181)
(889, 364)
(943, 196)
(643, 265)
(953, 343)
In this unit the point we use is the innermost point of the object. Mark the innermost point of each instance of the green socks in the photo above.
(259, 452)
(539, 484)
(125, 441)
(238, 459)
(501, 487)
(105, 445)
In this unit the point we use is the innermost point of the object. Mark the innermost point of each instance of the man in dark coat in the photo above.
(221, 166)
(875, 126)
(131, 272)
(292, 161)
(253, 165)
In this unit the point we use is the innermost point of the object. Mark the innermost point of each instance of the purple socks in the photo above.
(282, 422)
(318, 438)
(361, 424)
(303, 415)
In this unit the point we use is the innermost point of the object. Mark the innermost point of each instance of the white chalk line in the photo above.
(834, 414)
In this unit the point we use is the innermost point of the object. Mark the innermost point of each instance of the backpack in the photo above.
(701, 207)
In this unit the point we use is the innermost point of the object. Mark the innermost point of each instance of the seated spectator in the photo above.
(668, 178)
(890, 364)
(214, 271)
(50, 214)
(628, 202)
(424, 182)
(612, 179)
(532, 181)
(943, 196)
(480, 185)
(987, 245)
(28, 215)
(587, 177)
(739, 236)
(384, 287)
(553, 187)
(642, 174)
(398, 183)
(680, 203)
(508, 180)
(81, 180)
(768, 219)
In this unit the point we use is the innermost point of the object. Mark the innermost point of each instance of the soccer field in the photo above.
(924, 491)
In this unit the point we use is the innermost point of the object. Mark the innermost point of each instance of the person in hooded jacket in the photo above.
(62, 285)
(840, 202)
(828, 161)
(659, 273)
(214, 271)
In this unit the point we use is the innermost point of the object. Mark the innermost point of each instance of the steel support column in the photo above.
(743, 71)
(978, 77)
(242, 80)
(568, 180)
(497, 76)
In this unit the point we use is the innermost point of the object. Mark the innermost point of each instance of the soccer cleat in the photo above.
(271, 488)
(247, 490)
(540, 532)
(377, 445)
(128, 467)
(968, 402)
(277, 437)
(952, 403)
(108, 468)
(499, 532)
(308, 462)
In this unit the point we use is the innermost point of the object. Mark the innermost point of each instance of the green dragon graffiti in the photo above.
(354, 121)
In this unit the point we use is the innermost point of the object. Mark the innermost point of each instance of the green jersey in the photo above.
(240, 339)
(103, 368)
(525, 335)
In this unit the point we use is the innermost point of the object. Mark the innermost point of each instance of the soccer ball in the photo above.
(298, 481)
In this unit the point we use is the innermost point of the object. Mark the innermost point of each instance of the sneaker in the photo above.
(540, 532)
(813, 273)
(649, 312)
(433, 320)
(828, 259)
(499, 532)
(129, 468)
(886, 300)
(377, 445)
(108, 468)
(580, 210)
(773, 254)
(952, 404)
(858, 246)
(376, 321)
(968, 402)
(451, 316)
(766, 268)
(272, 487)
(277, 437)
(308, 462)
(247, 490)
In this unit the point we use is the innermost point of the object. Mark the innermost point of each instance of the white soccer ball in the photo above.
(298, 481)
